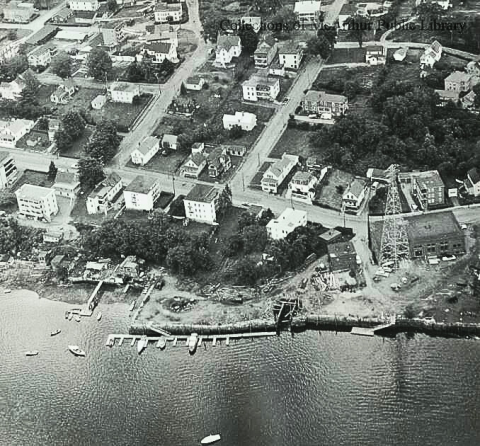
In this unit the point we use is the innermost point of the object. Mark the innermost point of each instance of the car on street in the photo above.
(285, 100)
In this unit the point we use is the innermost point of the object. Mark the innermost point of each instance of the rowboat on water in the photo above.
(211, 439)
(76, 350)
(77, 318)
(55, 333)
(31, 353)
(192, 343)
(70, 316)
(142, 344)
(99, 316)
(162, 343)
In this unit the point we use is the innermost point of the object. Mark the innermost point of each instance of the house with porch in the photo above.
(266, 51)
(354, 195)
(145, 150)
(319, 102)
(277, 172)
(102, 197)
(302, 187)
(228, 47)
(261, 88)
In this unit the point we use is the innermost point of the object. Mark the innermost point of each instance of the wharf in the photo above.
(111, 340)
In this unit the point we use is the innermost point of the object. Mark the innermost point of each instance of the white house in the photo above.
(320, 102)
(472, 183)
(159, 51)
(41, 56)
(287, 222)
(167, 13)
(445, 4)
(8, 170)
(169, 141)
(84, 5)
(145, 150)
(277, 172)
(228, 47)
(201, 204)
(302, 187)
(64, 92)
(12, 131)
(247, 121)
(254, 23)
(473, 68)
(99, 101)
(458, 81)
(354, 195)
(18, 12)
(194, 83)
(141, 193)
(37, 202)
(124, 92)
(100, 199)
(431, 55)
(307, 12)
(348, 10)
(376, 55)
(194, 165)
(260, 88)
(266, 51)
(400, 54)
(66, 185)
(276, 69)
(290, 56)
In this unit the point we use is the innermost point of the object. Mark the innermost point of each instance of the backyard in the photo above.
(330, 190)
(293, 142)
(34, 178)
(164, 164)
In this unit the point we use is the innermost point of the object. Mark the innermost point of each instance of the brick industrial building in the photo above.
(436, 234)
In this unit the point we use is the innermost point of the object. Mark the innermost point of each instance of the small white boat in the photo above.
(76, 350)
(31, 353)
(162, 343)
(55, 333)
(211, 439)
(132, 306)
(7, 291)
(142, 344)
(77, 318)
(70, 316)
(99, 316)
(192, 343)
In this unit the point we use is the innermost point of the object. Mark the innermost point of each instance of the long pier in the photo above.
(121, 338)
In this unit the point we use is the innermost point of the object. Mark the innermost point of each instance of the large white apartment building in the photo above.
(289, 219)
(8, 170)
(100, 199)
(201, 204)
(141, 193)
(261, 88)
(37, 202)
(84, 5)
(165, 13)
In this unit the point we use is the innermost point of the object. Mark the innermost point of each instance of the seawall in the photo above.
(320, 322)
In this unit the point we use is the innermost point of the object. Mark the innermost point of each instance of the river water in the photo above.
(310, 390)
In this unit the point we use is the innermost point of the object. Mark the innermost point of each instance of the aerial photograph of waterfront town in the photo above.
(239, 222)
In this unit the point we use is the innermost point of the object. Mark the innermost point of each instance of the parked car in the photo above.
(285, 100)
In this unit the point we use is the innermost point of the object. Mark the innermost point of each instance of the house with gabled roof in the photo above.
(159, 51)
(432, 54)
(13, 90)
(247, 121)
(302, 187)
(66, 185)
(218, 161)
(228, 47)
(41, 56)
(468, 101)
(145, 150)
(376, 55)
(321, 102)
(277, 172)
(458, 81)
(290, 56)
(266, 51)
(353, 197)
(194, 165)
(169, 141)
(64, 92)
(194, 83)
(473, 68)
(254, 23)
(472, 183)
(307, 12)
(12, 131)
(101, 198)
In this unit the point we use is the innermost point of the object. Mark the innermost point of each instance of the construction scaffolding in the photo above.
(395, 246)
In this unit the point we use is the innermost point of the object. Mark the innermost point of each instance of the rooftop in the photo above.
(104, 187)
(227, 42)
(432, 225)
(429, 178)
(307, 7)
(33, 192)
(158, 47)
(256, 79)
(66, 178)
(141, 184)
(289, 218)
(41, 34)
(146, 145)
(123, 86)
(202, 193)
(321, 96)
(290, 48)
(168, 7)
(458, 76)
(472, 173)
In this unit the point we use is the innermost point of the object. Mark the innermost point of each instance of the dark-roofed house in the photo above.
(201, 204)
(376, 55)
(266, 51)
(320, 102)
(472, 183)
(145, 150)
(228, 47)
(377, 175)
(302, 187)
(66, 184)
(141, 193)
(218, 161)
(62, 16)
(101, 198)
(342, 257)
(353, 197)
(435, 234)
(194, 83)
(159, 51)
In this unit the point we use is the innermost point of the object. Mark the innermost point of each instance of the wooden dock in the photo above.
(112, 339)
(361, 331)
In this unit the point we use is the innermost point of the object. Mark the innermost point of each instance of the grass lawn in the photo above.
(80, 100)
(165, 164)
(33, 177)
(294, 142)
(347, 55)
(327, 194)
(123, 115)
(40, 137)
(164, 199)
(80, 215)
(256, 182)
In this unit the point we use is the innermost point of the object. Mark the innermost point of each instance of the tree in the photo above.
(112, 5)
(351, 89)
(7, 199)
(476, 90)
(73, 124)
(249, 39)
(319, 46)
(62, 65)
(429, 12)
(254, 238)
(358, 26)
(267, 6)
(224, 200)
(31, 81)
(52, 171)
(246, 219)
(99, 64)
(235, 132)
(329, 32)
(104, 142)
(245, 272)
(285, 21)
(134, 73)
(90, 172)
(167, 67)
(212, 25)
(183, 89)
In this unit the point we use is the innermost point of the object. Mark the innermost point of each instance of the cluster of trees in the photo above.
(147, 71)
(159, 241)
(104, 142)
(284, 255)
(99, 64)
(62, 65)
(15, 238)
(409, 128)
(90, 172)
(10, 69)
(72, 126)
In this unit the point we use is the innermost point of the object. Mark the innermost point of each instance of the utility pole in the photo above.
(243, 182)
(173, 184)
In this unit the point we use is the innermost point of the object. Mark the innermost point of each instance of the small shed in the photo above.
(99, 101)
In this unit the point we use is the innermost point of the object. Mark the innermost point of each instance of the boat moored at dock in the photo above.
(192, 343)
(77, 318)
(132, 306)
(210, 439)
(76, 350)
(162, 343)
(142, 344)
(99, 316)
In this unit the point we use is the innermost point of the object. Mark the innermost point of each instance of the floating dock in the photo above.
(362, 331)
(111, 340)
